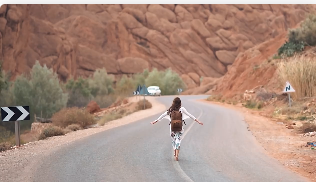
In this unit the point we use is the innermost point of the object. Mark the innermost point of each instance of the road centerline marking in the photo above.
(176, 164)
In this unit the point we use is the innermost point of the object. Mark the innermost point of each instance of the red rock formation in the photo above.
(202, 40)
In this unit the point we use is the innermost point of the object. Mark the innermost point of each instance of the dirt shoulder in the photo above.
(21, 162)
(279, 142)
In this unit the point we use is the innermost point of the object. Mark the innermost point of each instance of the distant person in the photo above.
(177, 114)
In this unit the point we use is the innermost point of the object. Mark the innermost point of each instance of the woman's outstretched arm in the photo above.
(160, 117)
(191, 116)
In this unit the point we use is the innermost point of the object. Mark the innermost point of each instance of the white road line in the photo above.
(176, 164)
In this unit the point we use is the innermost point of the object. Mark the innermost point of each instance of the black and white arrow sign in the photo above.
(15, 113)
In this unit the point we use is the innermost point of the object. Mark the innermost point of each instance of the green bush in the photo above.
(299, 37)
(140, 78)
(305, 33)
(51, 131)
(155, 78)
(79, 92)
(125, 86)
(171, 82)
(101, 83)
(290, 48)
(74, 115)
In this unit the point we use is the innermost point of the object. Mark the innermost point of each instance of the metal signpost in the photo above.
(288, 89)
(144, 91)
(16, 114)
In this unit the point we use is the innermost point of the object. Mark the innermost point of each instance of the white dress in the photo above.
(176, 136)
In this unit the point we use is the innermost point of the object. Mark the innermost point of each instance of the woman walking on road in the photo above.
(174, 133)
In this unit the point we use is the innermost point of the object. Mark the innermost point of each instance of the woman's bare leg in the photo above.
(177, 154)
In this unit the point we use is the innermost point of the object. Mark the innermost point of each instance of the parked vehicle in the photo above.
(154, 90)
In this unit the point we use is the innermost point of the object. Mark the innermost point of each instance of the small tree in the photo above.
(101, 83)
(171, 82)
(79, 92)
(42, 91)
(125, 86)
(155, 78)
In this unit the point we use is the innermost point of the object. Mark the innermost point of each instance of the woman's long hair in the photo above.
(176, 105)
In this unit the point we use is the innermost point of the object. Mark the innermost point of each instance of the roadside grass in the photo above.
(119, 113)
(51, 131)
(300, 72)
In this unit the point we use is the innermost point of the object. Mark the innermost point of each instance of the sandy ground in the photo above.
(21, 161)
(279, 142)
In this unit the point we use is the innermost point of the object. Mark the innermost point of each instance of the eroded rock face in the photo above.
(202, 40)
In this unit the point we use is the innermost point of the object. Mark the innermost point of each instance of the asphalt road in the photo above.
(220, 150)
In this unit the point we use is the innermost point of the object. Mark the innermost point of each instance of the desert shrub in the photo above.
(140, 105)
(299, 37)
(252, 104)
(73, 127)
(109, 117)
(51, 131)
(79, 92)
(300, 72)
(74, 115)
(305, 33)
(101, 83)
(290, 48)
(41, 91)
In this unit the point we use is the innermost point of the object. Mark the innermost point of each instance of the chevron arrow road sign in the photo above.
(15, 113)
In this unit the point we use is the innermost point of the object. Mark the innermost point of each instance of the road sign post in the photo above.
(288, 89)
(17, 133)
(16, 114)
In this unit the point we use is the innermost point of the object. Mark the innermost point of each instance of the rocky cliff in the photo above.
(194, 40)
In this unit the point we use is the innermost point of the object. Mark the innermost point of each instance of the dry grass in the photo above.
(74, 115)
(74, 127)
(51, 131)
(109, 117)
(117, 114)
(214, 98)
(300, 72)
